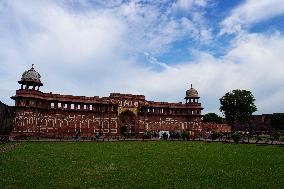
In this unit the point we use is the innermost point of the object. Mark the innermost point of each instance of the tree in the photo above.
(212, 118)
(238, 106)
(277, 121)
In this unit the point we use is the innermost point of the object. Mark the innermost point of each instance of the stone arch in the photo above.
(127, 122)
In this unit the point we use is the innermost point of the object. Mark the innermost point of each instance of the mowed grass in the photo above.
(155, 164)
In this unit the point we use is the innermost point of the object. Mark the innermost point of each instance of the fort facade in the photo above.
(37, 112)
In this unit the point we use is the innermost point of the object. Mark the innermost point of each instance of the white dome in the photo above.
(191, 93)
(31, 75)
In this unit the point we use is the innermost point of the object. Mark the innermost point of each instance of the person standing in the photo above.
(77, 134)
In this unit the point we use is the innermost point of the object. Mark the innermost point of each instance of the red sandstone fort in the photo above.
(55, 114)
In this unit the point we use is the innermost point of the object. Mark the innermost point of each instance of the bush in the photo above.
(148, 134)
(236, 136)
(215, 135)
(184, 135)
(276, 135)
(258, 138)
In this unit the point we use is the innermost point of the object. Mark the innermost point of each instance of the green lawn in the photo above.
(129, 164)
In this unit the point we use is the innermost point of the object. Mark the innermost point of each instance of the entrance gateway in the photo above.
(127, 117)
(128, 122)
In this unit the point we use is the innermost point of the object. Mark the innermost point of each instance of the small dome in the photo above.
(191, 93)
(31, 75)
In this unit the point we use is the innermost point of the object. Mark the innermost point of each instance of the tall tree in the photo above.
(277, 121)
(238, 106)
(212, 118)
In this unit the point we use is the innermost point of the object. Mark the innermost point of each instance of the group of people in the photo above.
(78, 132)
(165, 135)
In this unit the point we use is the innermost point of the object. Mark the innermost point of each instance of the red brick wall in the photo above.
(53, 114)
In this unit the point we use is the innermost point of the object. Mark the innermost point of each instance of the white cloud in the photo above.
(154, 30)
(98, 51)
(255, 63)
(251, 12)
(187, 5)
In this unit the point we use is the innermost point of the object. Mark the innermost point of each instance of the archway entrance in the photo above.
(127, 123)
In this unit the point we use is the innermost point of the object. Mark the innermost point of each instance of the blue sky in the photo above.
(156, 48)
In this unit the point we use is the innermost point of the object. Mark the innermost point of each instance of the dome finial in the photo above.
(32, 65)
(191, 85)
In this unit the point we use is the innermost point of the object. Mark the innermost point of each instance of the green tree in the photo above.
(212, 118)
(238, 106)
(277, 121)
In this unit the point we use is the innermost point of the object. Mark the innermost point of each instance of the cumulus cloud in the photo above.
(115, 48)
(188, 5)
(251, 12)
(255, 63)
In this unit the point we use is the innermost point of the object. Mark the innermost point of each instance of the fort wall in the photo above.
(38, 113)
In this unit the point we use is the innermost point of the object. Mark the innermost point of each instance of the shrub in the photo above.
(258, 138)
(184, 135)
(236, 136)
(148, 134)
(215, 135)
(276, 135)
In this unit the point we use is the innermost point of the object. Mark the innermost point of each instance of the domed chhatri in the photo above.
(191, 95)
(31, 75)
(191, 92)
(30, 78)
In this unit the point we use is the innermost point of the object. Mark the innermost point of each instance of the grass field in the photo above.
(155, 164)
